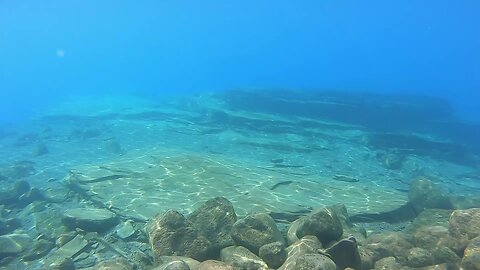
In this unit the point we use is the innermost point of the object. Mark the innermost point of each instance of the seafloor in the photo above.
(388, 159)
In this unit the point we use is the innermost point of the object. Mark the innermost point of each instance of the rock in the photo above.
(391, 160)
(425, 194)
(14, 243)
(256, 230)
(345, 253)
(314, 262)
(387, 263)
(173, 265)
(90, 219)
(445, 255)
(113, 146)
(428, 237)
(125, 229)
(324, 224)
(172, 234)
(307, 245)
(274, 254)
(465, 223)
(242, 258)
(214, 219)
(471, 257)
(213, 265)
(189, 261)
(21, 169)
(388, 244)
(9, 225)
(292, 236)
(41, 248)
(115, 264)
(68, 251)
(419, 257)
(64, 264)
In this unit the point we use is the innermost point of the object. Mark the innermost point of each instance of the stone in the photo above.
(90, 219)
(471, 256)
(14, 243)
(256, 230)
(172, 234)
(115, 264)
(465, 223)
(392, 160)
(189, 261)
(345, 253)
(40, 249)
(113, 146)
(388, 244)
(315, 262)
(213, 265)
(173, 265)
(64, 264)
(387, 263)
(419, 257)
(424, 194)
(68, 251)
(125, 229)
(9, 225)
(40, 150)
(242, 258)
(307, 245)
(274, 254)
(429, 237)
(324, 224)
(214, 219)
(445, 255)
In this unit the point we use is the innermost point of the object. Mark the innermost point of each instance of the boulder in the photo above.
(324, 224)
(315, 262)
(419, 257)
(213, 265)
(274, 254)
(388, 244)
(189, 261)
(471, 257)
(465, 223)
(90, 219)
(114, 264)
(387, 263)
(172, 234)
(14, 243)
(242, 258)
(307, 245)
(256, 230)
(345, 253)
(424, 194)
(173, 265)
(214, 219)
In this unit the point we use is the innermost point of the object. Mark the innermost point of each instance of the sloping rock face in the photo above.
(256, 230)
(214, 219)
(172, 234)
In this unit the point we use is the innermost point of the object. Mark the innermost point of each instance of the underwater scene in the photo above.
(239, 135)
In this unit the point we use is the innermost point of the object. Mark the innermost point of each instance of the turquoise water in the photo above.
(113, 113)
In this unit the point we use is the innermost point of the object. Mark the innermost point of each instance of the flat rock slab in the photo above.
(90, 219)
(142, 184)
(71, 249)
(14, 243)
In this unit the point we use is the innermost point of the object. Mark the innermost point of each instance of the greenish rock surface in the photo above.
(274, 254)
(465, 223)
(471, 257)
(241, 258)
(307, 245)
(424, 194)
(256, 230)
(125, 229)
(68, 251)
(324, 223)
(90, 219)
(214, 265)
(314, 262)
(114, 264)
(14, 243)
(214, 219)
(189, 261)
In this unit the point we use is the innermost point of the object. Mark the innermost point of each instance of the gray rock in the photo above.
(172, 234)
(307, 245)
(387, 263)
(189, 261)
(14, 243)
(213, 265)
(324, 224)
(125, 229)
(65, 264)
(90, 219)
(274, 254)
(115, 264)
(173, 265)
(214, 219)
(424, 194)
(465, 223)
(314, 262)
(419, 257)
(256, 230)
(345, 253)
(242, 258)
(471, 257)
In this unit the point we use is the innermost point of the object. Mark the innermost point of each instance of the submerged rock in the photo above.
(465, 223)
(90, 219)
(307, 245)
(345, 253)
(324, 224)
(274, 254)
(14, 243)
(213, 265)
(214, 219)
(40, 150)
(189, 261)
(256, 230)
(242, 258)
(314, 262)
(125, 230)
(425, 194)
(172, 234)
(471, 257)
(114, 264)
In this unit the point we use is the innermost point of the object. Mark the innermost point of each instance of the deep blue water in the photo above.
(50, 49)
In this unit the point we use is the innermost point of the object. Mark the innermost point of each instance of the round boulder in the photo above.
(324, 224)
(314, 262)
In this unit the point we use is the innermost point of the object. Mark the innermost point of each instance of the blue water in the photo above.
(50, 49)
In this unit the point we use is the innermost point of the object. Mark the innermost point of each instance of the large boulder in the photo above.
(90, 219)
(465, 223)
(471, 257)
(315, 262)
(172, 234)
(274, 254)
(307, 245)
(389, 244)
(345, 253)
(214, 219)
(115, 264)
(424, 194)
(11, 244)
(256, 230)
(213, 265)
(163, 260)
(324, 224)
(242, 258)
